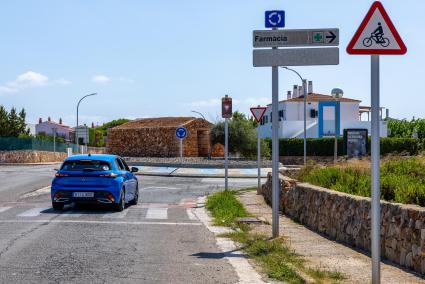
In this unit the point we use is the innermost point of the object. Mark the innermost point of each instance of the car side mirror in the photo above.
(134, 169)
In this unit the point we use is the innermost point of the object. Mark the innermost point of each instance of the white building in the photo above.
(320, 116)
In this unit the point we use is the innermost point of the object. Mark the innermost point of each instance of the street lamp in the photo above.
(304, 84)
(337, 94)
(198, 113)
(78, 105)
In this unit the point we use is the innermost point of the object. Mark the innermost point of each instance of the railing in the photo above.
(14, 143)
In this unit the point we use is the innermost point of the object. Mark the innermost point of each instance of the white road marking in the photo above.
(102, 222)
(2, 209)
(190, 214)
(73, 214)
(121, 214)
(157, 213)
(34, 212)
(37, 192)
(159, 188)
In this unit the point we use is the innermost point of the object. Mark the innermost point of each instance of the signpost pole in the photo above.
(305, 120)
(181, 151)
(226, 153)
(375, 172)
(259, 159)
(275, 150)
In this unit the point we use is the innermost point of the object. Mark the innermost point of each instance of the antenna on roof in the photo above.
(89, 154)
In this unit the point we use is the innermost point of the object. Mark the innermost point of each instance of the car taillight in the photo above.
(111, 175)
(57, 195)
(61, 175)
(110, 197)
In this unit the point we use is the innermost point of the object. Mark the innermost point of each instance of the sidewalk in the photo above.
(322, 252)
(201, 172)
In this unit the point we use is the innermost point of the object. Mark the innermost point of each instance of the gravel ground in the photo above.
(195, 162)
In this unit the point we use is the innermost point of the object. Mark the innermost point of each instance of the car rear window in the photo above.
(86, 165)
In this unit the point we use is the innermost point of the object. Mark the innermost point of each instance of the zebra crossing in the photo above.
(147, 211)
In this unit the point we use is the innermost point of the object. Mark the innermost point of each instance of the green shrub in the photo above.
(402, 180)
(325, 146)
(225, 208)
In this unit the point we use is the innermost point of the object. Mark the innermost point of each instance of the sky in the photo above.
(167, 58)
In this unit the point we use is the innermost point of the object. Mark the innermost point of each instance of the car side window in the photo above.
(120, 165)
(127, 168)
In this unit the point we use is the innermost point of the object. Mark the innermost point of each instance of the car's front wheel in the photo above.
(120, 206)
(57, 206)
(135, 199)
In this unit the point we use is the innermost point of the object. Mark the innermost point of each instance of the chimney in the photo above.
(40, 120)
(295, 91)
(49, 119)
(92, 125)
(60, 120)
(300, 91)
(289, 95)
(310, 87)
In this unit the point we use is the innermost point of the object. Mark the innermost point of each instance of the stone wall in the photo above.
(346, 218)
(159, 141)
(29, 156)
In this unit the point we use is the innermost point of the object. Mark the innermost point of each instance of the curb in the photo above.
(198, 175)
(31, 164)
(194, 166)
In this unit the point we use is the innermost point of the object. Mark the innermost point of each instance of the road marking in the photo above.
(2, 209)
(37, 192)
(103, 222)
(121, 214)
(157, 213)
(34, 212)
(159, 188)
(190, 214)
(71, 214)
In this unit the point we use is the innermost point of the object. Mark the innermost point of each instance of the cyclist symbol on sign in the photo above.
(378, 37)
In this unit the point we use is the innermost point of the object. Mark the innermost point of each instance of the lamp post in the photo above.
(337, 94)
(304, 84)
(194, 111)
(78, 105)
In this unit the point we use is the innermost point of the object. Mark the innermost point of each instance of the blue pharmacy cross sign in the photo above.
(181, 132)
(275, 19)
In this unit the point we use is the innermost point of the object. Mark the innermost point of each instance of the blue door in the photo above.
(327, 118)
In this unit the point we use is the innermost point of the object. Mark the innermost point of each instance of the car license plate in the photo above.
(83, 194)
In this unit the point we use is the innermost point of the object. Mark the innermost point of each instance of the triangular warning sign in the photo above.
(376, 34)
(258, 112)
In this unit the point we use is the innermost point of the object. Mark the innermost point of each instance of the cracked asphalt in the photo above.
(157, 241)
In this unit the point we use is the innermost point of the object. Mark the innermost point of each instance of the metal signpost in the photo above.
(226, 113)
(258, 113)
(375, 36)
(289, 57)
(181, 133)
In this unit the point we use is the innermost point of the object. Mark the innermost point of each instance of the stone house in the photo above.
(49, 127)
(156, 137)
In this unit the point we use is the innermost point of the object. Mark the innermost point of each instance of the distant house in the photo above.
(49, 127)
(320, 116)
(155, 137)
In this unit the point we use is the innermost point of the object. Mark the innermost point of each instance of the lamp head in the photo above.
(337, 93)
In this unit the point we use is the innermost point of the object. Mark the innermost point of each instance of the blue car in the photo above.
(98, 179)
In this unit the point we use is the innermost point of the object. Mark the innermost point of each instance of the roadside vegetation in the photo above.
(402, 178)
(242, 136)
(274, 256)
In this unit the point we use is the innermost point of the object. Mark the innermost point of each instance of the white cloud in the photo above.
(30, 79)
(101, 79)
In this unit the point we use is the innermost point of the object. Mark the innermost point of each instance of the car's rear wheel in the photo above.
(57, 206)
(120, 206)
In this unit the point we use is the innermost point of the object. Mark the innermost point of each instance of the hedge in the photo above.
(325, 146)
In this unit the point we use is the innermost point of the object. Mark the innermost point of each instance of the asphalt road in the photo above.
(156, 241)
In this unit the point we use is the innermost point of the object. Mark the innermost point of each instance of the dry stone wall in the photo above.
(346, 218)
(31, 157)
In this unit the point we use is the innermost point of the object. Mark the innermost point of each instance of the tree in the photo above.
(4, 122)
(22, 128)
(14, 123)
(242, 136)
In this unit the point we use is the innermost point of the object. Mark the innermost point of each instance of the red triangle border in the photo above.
(377, 5)
(262, 108)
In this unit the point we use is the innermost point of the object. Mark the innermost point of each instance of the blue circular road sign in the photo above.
(181, 132)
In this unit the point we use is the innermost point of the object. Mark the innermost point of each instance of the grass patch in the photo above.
(402, 179)
(225, 208)
(275, 257)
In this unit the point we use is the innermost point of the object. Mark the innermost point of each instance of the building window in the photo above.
(281, 115)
